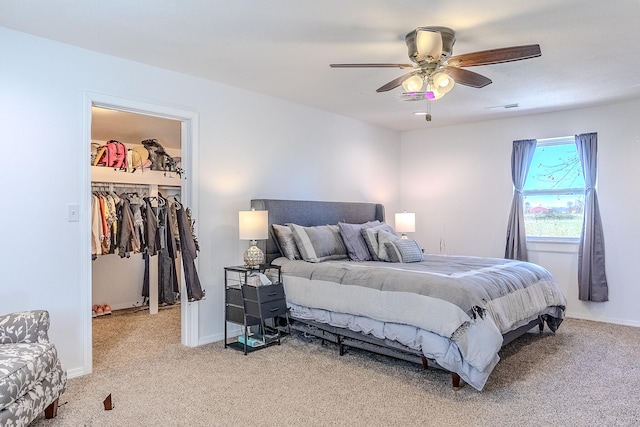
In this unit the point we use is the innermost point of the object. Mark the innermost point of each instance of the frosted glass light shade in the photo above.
(443, 82)
(405, 222)
(428, 44)
(413, 84)
(253, 225)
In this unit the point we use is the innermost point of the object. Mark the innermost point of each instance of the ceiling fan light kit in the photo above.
(413, 83)
(436, 71)
(424, 46)
(442, 82)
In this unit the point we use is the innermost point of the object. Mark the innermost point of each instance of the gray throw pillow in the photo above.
(354, 241)
(371, 238)
(384, 238)
(319, 243)
(285, 241)
(404, 250)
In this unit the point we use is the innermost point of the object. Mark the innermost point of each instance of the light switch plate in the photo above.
(73, 213)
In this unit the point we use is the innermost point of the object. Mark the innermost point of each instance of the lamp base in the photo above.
(254, 256)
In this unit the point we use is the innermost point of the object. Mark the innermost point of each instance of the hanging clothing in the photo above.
(167, 273)
(111, 215)
(106, 232)
(96, 235)
(168, 288)
(127, 223)
(189, 248)
(128, 240)
(151, 226)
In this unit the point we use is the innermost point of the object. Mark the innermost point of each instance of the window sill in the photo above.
(555, 245)
(561, 240)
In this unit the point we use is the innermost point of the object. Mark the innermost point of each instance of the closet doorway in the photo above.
(117, 281)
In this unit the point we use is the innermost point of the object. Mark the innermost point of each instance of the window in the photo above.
(554, 191)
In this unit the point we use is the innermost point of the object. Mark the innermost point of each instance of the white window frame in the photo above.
(562, 192)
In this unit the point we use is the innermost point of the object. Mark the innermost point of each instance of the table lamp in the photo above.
(253, 226)
(405, 223)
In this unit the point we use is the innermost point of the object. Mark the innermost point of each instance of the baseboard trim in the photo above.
(612, 320)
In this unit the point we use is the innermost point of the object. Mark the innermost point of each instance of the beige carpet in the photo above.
(587, 374)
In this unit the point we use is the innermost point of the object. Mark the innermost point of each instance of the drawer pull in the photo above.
(271, 294)
(275, 309)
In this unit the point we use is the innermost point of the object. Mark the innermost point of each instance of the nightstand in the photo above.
(248, 303)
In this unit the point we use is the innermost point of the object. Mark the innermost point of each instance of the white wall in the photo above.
(250, 146)
(458, 181)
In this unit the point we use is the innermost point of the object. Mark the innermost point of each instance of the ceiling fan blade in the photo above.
(496, 56)
(396, 82)
(466, 77)
(402, 66)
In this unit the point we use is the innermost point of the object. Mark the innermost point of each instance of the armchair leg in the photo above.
(52, 410)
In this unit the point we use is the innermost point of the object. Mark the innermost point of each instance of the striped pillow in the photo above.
(320, 243)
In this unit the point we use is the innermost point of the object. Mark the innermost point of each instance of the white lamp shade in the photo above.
(405, 222)
(253, 225)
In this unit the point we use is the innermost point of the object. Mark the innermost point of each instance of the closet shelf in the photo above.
(149, 177)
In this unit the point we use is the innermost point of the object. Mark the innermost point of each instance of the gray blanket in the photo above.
(468, 302)
(470, 283)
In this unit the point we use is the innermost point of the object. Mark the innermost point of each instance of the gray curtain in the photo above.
(592, 280)
(521, 156)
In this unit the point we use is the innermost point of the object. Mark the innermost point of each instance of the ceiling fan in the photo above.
(434, 71)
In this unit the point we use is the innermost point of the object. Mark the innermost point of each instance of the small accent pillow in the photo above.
(404, 250)
(370, 235)
(320, 243)
(285, 241)
(384, 238)
(354, 241)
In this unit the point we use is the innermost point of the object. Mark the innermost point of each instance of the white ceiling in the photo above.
(283, 48)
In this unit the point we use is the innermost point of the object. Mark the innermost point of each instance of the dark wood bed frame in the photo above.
(310, 213)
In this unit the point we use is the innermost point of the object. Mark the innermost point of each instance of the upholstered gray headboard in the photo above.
(308, 213)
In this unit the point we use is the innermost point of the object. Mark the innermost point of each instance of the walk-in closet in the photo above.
(134, 269)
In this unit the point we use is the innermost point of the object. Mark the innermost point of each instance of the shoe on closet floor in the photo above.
(106, 309)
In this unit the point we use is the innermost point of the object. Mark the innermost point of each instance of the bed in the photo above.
(447, 312)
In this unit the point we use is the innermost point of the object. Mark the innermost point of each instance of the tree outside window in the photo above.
(554, 191)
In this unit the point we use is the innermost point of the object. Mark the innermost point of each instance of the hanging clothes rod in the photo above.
(120, 188)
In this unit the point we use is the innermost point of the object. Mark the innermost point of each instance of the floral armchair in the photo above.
(31, 375)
